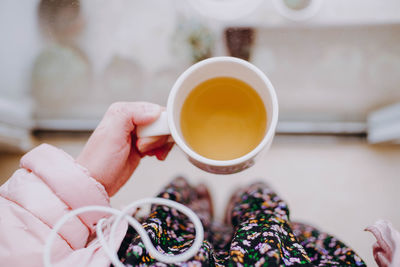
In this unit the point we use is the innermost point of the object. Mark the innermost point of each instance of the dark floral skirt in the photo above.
(257, 232)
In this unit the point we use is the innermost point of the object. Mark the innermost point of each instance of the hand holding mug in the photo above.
(113, 151)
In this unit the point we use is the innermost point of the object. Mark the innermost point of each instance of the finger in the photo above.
(162, 152)
(145, 144)
(382, 260)
(129, 114)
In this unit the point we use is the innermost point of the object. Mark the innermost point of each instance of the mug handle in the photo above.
(157, 128)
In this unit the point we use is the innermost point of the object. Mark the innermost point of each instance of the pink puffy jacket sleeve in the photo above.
(48, 185)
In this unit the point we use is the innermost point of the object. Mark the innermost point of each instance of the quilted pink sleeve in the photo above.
(49, 185)
(69, 181)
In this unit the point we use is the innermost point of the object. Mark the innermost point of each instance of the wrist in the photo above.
(80, 160)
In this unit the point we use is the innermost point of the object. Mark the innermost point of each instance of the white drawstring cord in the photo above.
(124, 214)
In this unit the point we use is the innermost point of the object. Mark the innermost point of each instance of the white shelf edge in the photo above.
(284, 127)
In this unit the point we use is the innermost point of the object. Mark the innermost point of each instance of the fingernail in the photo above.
(139, 146)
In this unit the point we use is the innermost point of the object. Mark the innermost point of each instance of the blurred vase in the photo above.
(60, 80)
(122, 80)
(60, 20)
(240, 42)
(193, 40)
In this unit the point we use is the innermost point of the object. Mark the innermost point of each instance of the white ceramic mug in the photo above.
(169, 121)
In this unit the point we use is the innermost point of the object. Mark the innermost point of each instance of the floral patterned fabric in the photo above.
(257, 232)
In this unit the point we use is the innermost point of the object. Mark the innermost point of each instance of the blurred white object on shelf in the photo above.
(298, 10)
(15, 125)
(384, 125)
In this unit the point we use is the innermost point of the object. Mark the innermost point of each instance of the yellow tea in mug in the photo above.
(223, 118)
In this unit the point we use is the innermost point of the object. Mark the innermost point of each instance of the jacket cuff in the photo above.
(68, 180)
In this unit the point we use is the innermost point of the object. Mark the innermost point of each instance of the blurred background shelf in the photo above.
(338, 13)
(284, 127)
(330, 71)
